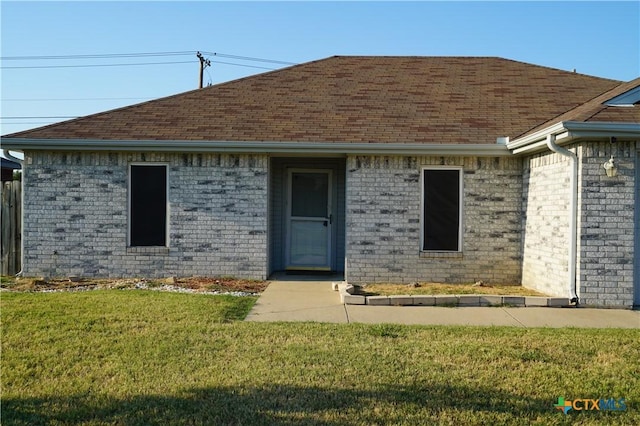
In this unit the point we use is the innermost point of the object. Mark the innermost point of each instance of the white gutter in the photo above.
(564, 133)
(573, 214)
(8, 155)
(567, 131)
(308, 148)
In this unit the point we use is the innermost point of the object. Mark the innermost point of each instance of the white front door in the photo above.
(309, 220)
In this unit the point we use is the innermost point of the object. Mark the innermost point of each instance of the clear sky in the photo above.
(595, 38)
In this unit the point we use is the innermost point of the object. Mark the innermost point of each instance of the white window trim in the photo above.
(460, 213)
(167, 209)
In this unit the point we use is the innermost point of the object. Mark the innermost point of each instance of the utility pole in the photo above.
(203, 64)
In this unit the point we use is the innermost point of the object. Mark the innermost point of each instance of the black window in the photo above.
(148, 213)
(441, 215)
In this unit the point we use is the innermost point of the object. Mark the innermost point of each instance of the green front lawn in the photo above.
(141, 357)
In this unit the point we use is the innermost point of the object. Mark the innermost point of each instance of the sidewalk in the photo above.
(312, 299)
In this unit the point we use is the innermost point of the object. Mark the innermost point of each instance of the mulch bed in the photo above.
(191, 283)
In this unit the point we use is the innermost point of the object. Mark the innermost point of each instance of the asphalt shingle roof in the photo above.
(445, 100)
(596, 110)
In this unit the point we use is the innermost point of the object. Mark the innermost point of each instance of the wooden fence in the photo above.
(10, 218)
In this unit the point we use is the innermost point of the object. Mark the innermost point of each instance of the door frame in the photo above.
(330, 210)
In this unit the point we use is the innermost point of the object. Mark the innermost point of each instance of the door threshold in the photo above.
(309, 272)
(306, 276)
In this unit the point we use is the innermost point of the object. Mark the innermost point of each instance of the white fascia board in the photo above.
(568, 131)
(535, 138)
(303, 148)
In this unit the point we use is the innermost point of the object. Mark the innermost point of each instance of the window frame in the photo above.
(460, 208)
(130, 204)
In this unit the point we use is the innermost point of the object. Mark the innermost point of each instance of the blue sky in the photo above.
(595, 38)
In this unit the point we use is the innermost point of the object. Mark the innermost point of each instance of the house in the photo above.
(8, 167)
(397, 169)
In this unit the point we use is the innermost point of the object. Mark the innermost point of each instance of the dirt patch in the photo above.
(197, 284)
(222, 284)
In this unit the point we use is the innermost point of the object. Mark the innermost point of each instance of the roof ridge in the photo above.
(561, 70)
(501, 58)
(413, 56)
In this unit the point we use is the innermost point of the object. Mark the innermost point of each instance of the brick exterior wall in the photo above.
(515, 219)
(545, 200)
(76, 219)
(605, 229)
(606, 236)
(384, 229)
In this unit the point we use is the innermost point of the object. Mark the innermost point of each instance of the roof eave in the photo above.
(267, 147)
(569, 131)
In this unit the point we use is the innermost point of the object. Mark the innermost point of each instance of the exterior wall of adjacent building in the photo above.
(76, 216)
(384, 221)
(607, 224)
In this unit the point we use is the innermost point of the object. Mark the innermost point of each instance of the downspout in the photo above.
(573, 212)
(8, 155)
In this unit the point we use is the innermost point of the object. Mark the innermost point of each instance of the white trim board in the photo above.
(275, 147)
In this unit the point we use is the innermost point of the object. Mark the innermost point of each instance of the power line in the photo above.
(137, 55)
(140, 55)
(96, 56)
(37, 117)
(21, 123)
(121, 55)
(248, 58)
(133, 64)
(70, 99)
(101, 65)
(243, 65)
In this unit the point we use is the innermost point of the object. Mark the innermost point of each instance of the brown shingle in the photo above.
(354, 99)
(595, 109)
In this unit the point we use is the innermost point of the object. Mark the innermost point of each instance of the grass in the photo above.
(433, 288)
(142, 357)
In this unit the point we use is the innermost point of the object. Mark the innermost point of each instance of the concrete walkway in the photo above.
(297, 298)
